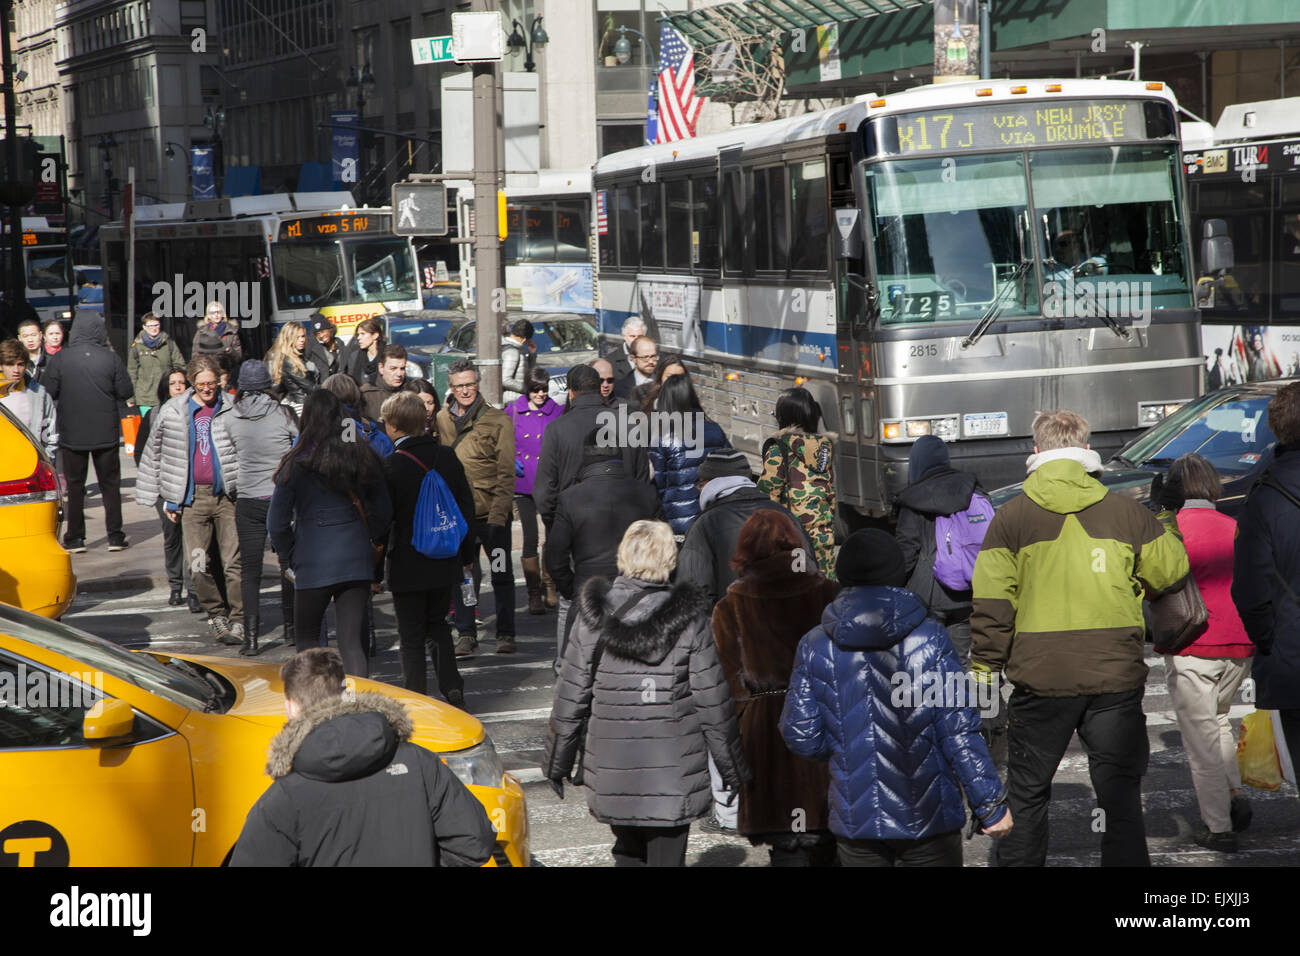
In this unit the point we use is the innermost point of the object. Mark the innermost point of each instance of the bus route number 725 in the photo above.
(929, 303)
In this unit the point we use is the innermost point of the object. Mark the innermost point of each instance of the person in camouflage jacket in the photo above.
(797, 472)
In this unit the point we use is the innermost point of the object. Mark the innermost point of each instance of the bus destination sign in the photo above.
(1000, 125)
(333, 227)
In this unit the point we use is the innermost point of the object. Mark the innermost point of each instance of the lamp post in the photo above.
(536, 37)
(106, 145)
(364, 86)
(170, 153)
(214, 121)
(623, 53)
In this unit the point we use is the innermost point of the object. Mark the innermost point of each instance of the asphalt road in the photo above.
(511, 694)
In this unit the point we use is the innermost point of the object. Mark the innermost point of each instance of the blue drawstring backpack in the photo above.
(438, 527)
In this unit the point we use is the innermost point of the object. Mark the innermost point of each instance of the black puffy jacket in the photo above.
(659, 705)
(90, 387)
(590, 521)
(705, 560)
(942, 491)
(561, 455)
(352, 790)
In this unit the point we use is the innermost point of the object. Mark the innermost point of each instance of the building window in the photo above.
(403, 65)
(194, 13)
(615, 137)
(612, 14)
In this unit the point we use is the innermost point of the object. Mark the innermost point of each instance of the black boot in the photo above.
(252, 627)
(286, 610)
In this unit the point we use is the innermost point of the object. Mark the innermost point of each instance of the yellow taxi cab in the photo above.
(35, 571)
(112, 757)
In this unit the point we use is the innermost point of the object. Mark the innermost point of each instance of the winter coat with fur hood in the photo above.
(867, 696)
(757, 627)
(658, 704)
(352, 790)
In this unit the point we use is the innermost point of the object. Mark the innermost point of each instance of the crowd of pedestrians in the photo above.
(723, 653)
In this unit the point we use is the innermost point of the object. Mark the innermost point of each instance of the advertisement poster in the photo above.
(672, 306)
(1249, 353)
(345, 146)
(551, 288)
(828, 51)
(203, 184)
(956, 39)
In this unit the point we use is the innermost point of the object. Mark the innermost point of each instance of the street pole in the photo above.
(17, 292)
(489, 292)
(128, 233)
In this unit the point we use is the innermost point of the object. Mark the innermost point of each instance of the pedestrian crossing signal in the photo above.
(419, 209)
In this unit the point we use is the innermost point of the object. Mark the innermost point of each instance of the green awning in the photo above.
(701, 27)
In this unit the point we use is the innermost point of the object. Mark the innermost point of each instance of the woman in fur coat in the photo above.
(778, 598)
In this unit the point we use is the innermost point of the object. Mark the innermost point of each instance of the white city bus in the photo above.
(290, 254)
(903, 258)
(46, 266)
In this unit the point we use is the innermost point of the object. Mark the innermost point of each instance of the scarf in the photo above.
(151, 342)
(721, 487)
(462, 417)
(220, 329)
(1090, 460)
(53, 350)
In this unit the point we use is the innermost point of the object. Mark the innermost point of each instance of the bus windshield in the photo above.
(382, 269)
(950, 233)
(311, 274)
(308, 274)
(47, 269)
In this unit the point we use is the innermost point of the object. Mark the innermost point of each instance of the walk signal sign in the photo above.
(419, 209)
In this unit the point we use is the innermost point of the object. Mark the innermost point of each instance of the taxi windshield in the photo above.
(178, 686)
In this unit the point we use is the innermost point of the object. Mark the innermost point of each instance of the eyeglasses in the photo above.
(652, 355)
(607, 381)
(469, 386)
(204, 386)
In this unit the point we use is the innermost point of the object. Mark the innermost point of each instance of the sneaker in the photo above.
(466, 646)
(118, 544)
(74, 545)
(237, 630)
(1219, 842)
(1240, 814)
(456, 698)
(710, 824)
(220, 628)
(505, 643)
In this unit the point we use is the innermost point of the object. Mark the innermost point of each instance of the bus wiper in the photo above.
(1106, 318)
(338, 281)
(995, 307)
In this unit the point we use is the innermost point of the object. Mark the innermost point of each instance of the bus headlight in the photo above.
(910, 429)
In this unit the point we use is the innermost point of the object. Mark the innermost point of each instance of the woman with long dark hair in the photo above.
(429, 395)
(330, 505)
(685, 435)
(262, 431)
(361, 356)
(797, 471)
(670, 364)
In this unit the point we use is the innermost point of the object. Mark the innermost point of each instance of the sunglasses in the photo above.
(607, 381)
(534, 391)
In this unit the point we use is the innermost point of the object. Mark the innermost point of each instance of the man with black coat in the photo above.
(91, 389)
(728, 496)
(1266, 571)
(590, 519)
(351, 789)
(936, 489)
(323, 349)
(562, 443)
(422, 587)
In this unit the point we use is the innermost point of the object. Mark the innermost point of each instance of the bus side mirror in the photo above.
(849, 236)
(1216, 248)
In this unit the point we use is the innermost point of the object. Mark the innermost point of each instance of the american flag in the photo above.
(679, 107)
(602, 218)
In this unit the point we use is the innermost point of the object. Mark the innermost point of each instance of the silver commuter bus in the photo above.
(929, 314)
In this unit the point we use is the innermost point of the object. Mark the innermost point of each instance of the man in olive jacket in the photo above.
(483, 438)
(1058, 589)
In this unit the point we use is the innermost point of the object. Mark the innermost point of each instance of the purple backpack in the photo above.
(957, 540)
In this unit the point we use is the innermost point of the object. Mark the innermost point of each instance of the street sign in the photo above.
(419, 209)
(478, 36)
(431, 50)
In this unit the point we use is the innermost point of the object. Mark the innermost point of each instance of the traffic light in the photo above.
(419, 209)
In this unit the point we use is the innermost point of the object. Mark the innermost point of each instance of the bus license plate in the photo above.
(983, 424)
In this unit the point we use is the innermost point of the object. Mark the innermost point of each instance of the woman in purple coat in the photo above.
(531, 414)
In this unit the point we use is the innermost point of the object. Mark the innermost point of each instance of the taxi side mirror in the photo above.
(108, 721)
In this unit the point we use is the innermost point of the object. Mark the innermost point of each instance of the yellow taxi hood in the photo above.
(260, 699)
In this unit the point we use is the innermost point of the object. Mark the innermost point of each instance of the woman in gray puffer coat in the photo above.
(262, 431)
(642, 666)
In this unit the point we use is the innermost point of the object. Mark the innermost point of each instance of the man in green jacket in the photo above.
(1058, 590)
(483, 438)
(151, 357)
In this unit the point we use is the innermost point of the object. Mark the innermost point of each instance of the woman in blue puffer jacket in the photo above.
(878, 691)
(685, 435)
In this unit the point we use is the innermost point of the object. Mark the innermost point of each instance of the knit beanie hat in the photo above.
(727, 463)
(871, 556)
(253, 376)
(928, 452)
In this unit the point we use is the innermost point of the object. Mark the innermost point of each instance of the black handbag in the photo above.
(576, 775)
(1178, 617)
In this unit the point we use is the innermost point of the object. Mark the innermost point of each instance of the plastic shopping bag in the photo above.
(1283, 752)
(130, 431)
(1257, 752)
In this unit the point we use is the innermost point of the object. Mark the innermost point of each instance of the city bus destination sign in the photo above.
(333, 227)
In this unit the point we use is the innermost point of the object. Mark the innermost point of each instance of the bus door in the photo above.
(854, 405)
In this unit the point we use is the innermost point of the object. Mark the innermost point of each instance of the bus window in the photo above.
(47, 270)
(945, 237)
(761, 204)
(381, 269)
(539, 232)
(677, 196)
(704, 225)
(780, 237)
(808, 216)
(307, 274)
(733, 204)
(571, 235)
(1287, 286)
(652, 228)
(629, 229)
(514, 234)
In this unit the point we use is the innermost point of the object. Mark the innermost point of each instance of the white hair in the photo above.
(648, 552)
(633, 322)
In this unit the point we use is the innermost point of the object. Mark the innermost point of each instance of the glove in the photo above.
(731, 797)
(558, 787)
